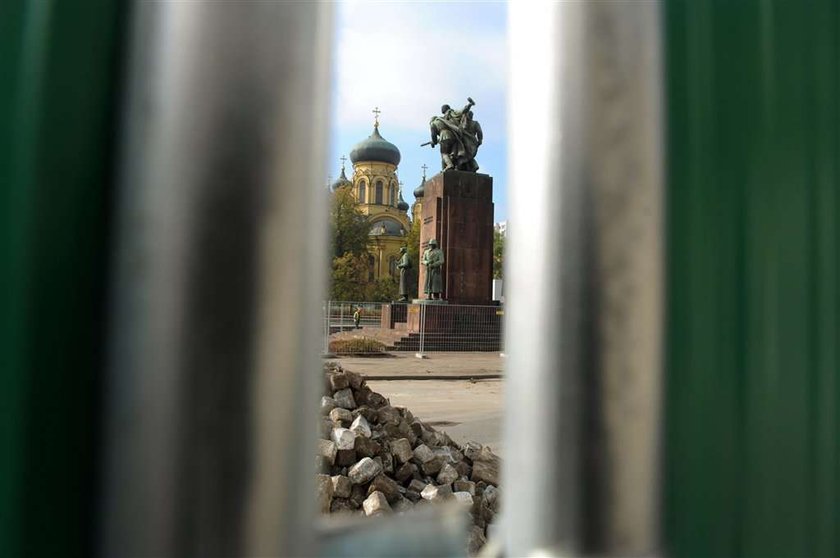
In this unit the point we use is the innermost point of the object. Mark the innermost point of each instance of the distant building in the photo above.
(376, 190)
(498, 290)
(498, 284)
(417, 208)
(501, 227)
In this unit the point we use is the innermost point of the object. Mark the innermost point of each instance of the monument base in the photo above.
(393, 314)
(458, 213)
(443, 326)
(439, 317)
(429, 301)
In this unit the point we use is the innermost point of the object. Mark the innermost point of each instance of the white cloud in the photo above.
(409, 58)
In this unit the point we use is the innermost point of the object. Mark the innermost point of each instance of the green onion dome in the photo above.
(375, 148)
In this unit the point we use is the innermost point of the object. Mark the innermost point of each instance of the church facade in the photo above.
(376, 188)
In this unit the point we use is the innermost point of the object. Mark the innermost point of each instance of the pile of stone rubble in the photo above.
(375, 459)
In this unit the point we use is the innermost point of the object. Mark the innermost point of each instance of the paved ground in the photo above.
(439, 390)
(463, 409)
(401, 365)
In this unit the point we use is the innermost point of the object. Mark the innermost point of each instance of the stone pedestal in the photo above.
(392, 314)
(458, 212)
(443, 318)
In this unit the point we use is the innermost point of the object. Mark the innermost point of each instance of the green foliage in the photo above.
(384, 290)
(498, 254)
(349, 227)
(412, 241)
(350, 265)
(350, 281)
(349, 230)
(363, 345)
(350, 277)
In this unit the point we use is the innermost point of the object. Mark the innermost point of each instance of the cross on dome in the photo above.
(376, 113)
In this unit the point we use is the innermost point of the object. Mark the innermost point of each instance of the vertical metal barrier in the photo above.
(583, 281)
(212, 373)
(420, 329)
(420, 353)
(343, 336)
(60, 65)
(327, 325)
(502, 353)
(753, 276)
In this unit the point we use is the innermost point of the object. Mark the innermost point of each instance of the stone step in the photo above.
(437, 346)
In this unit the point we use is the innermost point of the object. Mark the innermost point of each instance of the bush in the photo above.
(361, 345)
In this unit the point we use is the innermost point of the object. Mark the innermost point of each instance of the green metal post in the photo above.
(752, 364)
(58, 63)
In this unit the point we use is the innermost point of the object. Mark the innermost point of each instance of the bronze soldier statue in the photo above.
(459, 137)
(404, 267)
(433, 260)
(472, 138)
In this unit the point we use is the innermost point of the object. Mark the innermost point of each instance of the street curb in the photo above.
(433, 377)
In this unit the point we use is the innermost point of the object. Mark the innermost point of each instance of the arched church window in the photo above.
(362, 191)
(379, 188)
(371, 267)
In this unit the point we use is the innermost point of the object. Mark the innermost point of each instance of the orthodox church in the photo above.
(417, 208)
(378, 193)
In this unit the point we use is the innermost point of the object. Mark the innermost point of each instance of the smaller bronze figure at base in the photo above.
(433, 260)
(404, 267)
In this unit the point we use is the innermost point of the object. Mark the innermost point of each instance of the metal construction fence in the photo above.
(376, 327)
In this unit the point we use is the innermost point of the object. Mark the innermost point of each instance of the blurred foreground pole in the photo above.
(59, 64)
(585, 281)
(218, 282)
(753, 370)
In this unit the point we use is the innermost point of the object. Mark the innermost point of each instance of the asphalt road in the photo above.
(467, 411)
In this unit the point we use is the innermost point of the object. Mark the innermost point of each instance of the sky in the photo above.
(409, 58)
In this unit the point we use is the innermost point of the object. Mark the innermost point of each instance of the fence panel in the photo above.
(373, 327)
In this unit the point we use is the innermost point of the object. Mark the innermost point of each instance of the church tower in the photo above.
(377, 191)
(342, 179)
(417, 208)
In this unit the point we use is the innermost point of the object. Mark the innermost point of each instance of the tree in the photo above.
(350, 278)
(350, 281)
(384, 290)
(498, 254)
(412, 241)
(349, 227)
(351, 267)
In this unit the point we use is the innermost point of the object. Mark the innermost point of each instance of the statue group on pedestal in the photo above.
(459, 137)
